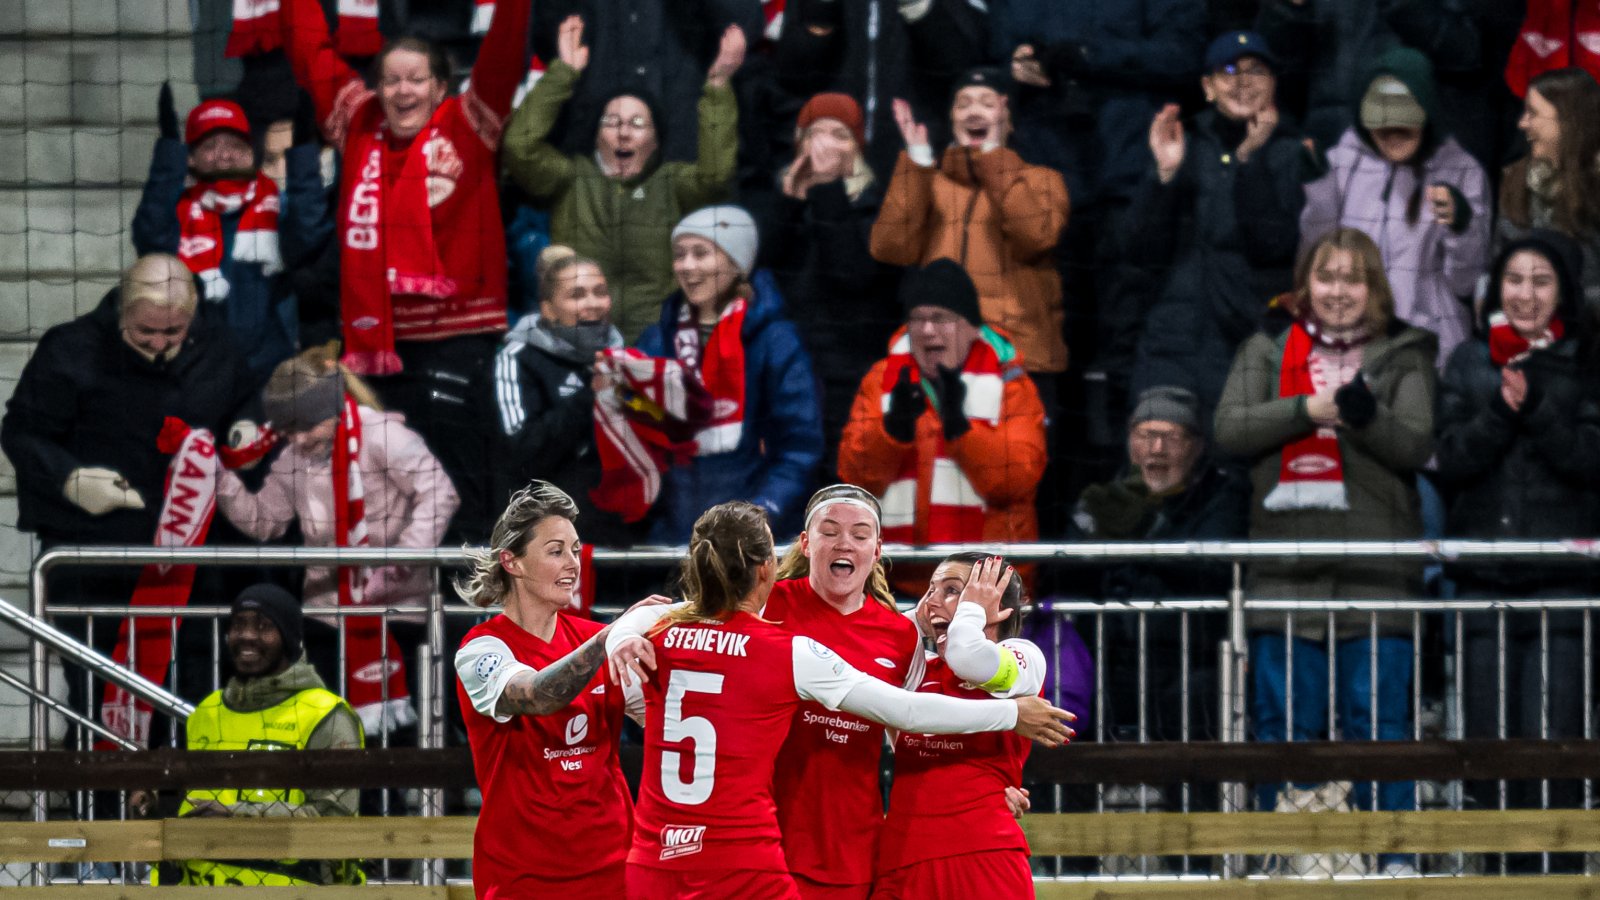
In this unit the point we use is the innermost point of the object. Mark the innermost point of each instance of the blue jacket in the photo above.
(776, 462)
(260, 311)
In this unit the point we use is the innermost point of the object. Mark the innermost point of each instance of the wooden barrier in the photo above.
(1074, 834)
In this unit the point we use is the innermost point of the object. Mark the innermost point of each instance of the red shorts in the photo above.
(648, 883)
(816, 890)
(607, 882)
(992, 873)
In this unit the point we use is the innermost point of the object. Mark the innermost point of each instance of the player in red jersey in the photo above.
(542, 721)
(949, 786)
(832, 588)
(724, 688)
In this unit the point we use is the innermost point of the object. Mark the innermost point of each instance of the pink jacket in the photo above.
(409, 503)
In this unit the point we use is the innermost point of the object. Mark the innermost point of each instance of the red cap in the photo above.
(834, 106)
(215, 115)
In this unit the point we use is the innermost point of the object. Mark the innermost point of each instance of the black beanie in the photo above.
(942, 283)
(281, 609)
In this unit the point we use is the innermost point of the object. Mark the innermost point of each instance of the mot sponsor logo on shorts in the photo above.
(681, 840)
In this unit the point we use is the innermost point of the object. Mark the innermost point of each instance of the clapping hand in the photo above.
(1167, 143)
(913, 132)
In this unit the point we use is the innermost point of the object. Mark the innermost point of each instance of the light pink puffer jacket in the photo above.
(409, 502)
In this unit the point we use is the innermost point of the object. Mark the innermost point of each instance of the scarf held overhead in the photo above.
(1311, 475)
(955, 510)
(388, 249)
(200, 241)
(258, 28)
(375, 670)
(189, 500)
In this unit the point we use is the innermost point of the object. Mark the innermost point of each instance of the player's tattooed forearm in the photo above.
(553, 687)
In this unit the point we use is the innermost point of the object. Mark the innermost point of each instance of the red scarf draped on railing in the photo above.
(375, 671)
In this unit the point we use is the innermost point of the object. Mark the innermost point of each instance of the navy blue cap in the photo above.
(1229, 48)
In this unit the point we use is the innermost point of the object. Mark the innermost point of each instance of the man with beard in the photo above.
(207, 202)
(274, 701)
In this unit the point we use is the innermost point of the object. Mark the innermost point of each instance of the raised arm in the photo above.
(1010, 668)
(502, 62)
(336, 89)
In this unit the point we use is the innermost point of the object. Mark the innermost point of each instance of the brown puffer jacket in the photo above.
(1000, 218)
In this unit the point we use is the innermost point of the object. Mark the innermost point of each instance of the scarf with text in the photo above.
(640, 428)
(375, 670)
(200, 241)
(1311, 473)
(1507, 345)
(388, 249)
(190, 497)
(955, 510)
(258, 28)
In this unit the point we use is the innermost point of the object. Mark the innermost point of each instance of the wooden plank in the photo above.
(79, 841)
(1204, 834)
(368, 837)
(1554, 887)
(143, 892)
(170, 769)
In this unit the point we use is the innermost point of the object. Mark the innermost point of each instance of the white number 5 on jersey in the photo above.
(675, 728)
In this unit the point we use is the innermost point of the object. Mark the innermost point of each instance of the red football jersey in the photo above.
(718, 708)
(555, 805)
(949, 789)
(830, 806)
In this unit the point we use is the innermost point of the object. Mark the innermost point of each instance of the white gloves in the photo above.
(242, 434)
(98, 491)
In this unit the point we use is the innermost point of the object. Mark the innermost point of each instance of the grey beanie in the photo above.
(1168, 404)
(729, 227)
(295, 400)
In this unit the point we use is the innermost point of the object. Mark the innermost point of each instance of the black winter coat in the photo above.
(544, 413)
(1223, 234)
(1533, 474)
(87, 399)
(1215, 507)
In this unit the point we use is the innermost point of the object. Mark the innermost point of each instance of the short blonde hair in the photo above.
(159, 279)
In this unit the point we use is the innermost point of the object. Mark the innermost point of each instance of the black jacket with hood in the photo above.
(1533, 472)
(87, 399)
(544, 413)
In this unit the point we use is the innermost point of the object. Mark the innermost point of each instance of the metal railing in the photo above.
(1232, 650)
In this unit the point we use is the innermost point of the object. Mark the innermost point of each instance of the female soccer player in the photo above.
(725, 687)
(543, 725)
(832, 589)
(946, 786)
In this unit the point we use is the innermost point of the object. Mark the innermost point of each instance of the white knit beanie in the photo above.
(729, 227)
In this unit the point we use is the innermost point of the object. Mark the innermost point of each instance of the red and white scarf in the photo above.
(1311, 473)
(388, 249)
(258, 28)
(955, 510)
(1507, 345)
(720, 370)
(190, 496)
(375, 670)
(1555, 34)
(200, 238)
(638, 429)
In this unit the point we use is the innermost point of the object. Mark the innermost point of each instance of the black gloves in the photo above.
(1357, 406)
(166, 113)
(906, 404)
(305, 121)
(952, 393)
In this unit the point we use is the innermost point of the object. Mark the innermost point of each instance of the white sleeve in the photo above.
(820, 675)
(917, 670)
(1011, 668)
(485, 666)
(636, 623)
(633, 701)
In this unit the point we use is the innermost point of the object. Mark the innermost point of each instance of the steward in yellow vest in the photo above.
(275, 701)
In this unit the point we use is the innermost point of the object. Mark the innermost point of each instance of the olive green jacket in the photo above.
(623, 224)
(1380, 468)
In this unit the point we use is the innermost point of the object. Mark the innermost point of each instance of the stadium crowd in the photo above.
(1032, 269)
